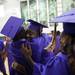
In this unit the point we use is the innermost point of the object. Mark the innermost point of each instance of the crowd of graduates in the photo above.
(31, 52)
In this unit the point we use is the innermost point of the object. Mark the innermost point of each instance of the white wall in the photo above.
(12, 7)
(1, 11)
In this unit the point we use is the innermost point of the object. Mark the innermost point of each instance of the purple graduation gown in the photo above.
(58, 65)
(39, 55)
(19, 57)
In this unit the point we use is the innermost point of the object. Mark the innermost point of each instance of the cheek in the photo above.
(27, 35)
(30, 36)
(34, 35)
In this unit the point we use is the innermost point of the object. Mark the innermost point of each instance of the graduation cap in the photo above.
(35, 25)
(1, 46)
(68, 20)
(69, 28)
(66, 17)
(9, 25)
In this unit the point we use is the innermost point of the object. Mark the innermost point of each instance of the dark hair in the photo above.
(71, 58)
(69, 51)
(19, 35)
(58, 32)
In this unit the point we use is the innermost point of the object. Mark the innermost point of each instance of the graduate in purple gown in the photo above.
(19, 61)
(64, 62)
(13, 28)
(38, 42)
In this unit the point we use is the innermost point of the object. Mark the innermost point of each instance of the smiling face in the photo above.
(31, 34)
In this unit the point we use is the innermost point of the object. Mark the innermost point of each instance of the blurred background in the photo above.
(39, 10)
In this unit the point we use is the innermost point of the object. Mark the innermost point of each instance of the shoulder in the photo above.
(58, 66)
(59, 58)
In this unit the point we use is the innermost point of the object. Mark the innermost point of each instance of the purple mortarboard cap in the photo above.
(35, 25)
(68, 20)
(1, 46)
(66, 17)
(10, 25)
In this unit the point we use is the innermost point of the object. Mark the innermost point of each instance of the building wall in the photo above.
(12, 7)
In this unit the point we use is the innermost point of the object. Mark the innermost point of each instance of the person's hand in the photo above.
(26, 50)
(4, 55)
(18, 67)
